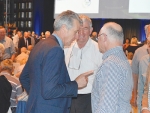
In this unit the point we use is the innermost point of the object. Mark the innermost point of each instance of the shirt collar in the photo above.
(3, 40)
(59, 40)
(112, 51)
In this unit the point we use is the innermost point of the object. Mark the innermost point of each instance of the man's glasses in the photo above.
(75, 59)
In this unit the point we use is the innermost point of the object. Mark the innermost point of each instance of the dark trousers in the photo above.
(81, 104)
(13, 109)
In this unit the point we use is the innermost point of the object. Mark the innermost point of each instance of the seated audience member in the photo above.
(129, 57)
(6, 70)
(30, 47)
(42, 35)
(5, 88)
(94, 36)
(133, 45)
(126, 44)
(22, 55)
(20, 68)
(5, 93)
(47, 34)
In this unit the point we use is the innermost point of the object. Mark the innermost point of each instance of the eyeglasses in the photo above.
(101, 35)
(75, 59)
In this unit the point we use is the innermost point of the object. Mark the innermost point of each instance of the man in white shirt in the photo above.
(83, 55)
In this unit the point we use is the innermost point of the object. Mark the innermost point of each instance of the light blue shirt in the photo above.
(59, 40)
(143, 66)
(112, 87)
(9, 47)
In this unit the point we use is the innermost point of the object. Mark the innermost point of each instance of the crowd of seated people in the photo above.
(14, 53)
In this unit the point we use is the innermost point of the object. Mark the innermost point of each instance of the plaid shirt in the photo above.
(112, 87)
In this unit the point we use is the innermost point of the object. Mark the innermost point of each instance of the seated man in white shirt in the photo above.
(22, 55)
(83, 55)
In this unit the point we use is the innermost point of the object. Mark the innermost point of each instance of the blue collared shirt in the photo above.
(9, 47)
(112, 87)
(59, 40)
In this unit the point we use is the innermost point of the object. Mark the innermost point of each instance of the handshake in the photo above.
(82, 79)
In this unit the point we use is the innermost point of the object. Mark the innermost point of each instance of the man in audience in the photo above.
(24, 41)
(113, 83)
(139, 53)
(32, 38)
(16, 39)
(81, 56)
(45, 76)
(8, 44)
(22, 55)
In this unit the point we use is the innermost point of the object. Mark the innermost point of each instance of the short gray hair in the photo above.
(86, 18)
(145, 27)
(66, 18)
(116, 33)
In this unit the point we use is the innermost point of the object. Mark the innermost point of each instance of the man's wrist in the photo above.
(144, 108)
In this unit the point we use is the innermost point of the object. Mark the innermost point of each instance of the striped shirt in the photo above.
(16, 88)
(112, 87)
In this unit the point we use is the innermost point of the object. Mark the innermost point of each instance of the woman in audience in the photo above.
(133, 45)
(6, 70)
(5, 88)
(126, 44)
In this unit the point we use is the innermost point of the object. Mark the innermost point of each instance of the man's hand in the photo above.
(133, 100)
(82, 79)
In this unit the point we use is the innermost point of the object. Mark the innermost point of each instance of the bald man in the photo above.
(112, 87)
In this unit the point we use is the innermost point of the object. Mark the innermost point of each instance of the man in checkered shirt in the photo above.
(112, 87)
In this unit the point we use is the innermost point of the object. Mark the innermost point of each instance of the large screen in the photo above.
(115, 9)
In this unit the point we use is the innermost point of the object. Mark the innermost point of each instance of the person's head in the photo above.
(2, 33)
(94, 35)
(130, 55)
(29, 33)
(14, 31)
(127, 40)
(134, 40)
(47, 34)
(7, 65)
(30, 47)
(19, 33)
(66, 26)
(110, 36)
(148, 41)
(23, 50)
(85, 31)
(147, 29)
(26, 35)
(2, 50)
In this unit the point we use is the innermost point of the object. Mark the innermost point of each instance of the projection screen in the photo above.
(114, 9)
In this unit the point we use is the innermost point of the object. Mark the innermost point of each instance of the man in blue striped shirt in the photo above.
(112, 87)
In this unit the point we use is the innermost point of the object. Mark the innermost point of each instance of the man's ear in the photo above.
(91, 29)
(63, 28)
